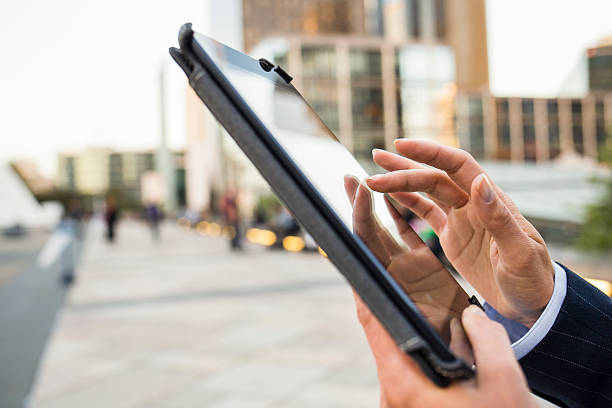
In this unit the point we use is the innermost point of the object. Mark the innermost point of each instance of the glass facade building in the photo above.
(370, 92)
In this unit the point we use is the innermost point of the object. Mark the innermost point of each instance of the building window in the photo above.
(529, 142)
(363, 143)
(600, 124)
(413, 15)
(116, 170)
(578, 138)
(476, 128)
(477, 140)
(367, 107)
(503, 141)
(322, 95)
(365, 64)
(440, 19)
(318, 62)
(554, 140)
(502, 109)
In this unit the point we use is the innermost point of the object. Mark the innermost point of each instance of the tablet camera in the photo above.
(266, 65)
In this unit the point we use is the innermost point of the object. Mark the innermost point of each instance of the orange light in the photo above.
(229, 232)
(322, 252)
(202, 227)
(293, 244)
(213, 229)
(261, 236)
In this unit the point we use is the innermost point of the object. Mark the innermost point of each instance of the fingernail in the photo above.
(475, 309)
(485, 189)
(376, 178)
(374, 151)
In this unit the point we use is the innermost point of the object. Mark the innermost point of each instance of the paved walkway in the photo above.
(186, 323)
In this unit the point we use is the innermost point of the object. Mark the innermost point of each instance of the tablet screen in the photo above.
(325, 162)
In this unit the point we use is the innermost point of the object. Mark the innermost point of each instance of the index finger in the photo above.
(457, 163)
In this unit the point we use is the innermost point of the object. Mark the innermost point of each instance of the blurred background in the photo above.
(144, 261)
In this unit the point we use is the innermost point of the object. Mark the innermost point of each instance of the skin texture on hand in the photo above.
(414, 267)
(499, 381)
(481, 231)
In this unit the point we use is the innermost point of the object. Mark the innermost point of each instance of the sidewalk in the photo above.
(186, 323)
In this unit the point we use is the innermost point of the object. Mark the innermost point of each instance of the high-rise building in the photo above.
(268, 18)
(461, 24)
(369, 88)
(370, 91)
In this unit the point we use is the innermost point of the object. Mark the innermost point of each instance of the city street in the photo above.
(185, 322)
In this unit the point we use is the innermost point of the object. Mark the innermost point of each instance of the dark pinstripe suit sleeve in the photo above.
(573, 362)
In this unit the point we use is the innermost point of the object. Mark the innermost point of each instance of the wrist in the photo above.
(545, 290)
(525, 339)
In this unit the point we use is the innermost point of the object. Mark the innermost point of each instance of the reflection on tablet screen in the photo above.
(326, 162)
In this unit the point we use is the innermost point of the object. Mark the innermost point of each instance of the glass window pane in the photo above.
(529, 142)
(367, 107)
(365, 63)
(318, 62)
(322, 95)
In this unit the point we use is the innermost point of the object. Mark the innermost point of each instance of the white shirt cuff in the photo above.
(542, 326)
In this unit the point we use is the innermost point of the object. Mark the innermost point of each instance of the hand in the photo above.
(481, 231)
(499, 381)
(416, 269)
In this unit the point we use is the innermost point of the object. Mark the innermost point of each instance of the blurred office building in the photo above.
(533, 129)
(370, 91)
(262, 19)
(368, 87)
(376, 70)
(459, 24)
(542, 129)
(95, 172)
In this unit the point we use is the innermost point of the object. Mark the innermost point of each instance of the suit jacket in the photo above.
(572, 364)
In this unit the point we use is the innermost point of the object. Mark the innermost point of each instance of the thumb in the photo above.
(496, 218)
(490, 345)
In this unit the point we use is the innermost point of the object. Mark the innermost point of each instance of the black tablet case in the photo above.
(339, 252)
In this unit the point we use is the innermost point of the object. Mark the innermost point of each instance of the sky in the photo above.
(80, 73)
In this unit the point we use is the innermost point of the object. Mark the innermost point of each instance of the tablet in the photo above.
(316, 177)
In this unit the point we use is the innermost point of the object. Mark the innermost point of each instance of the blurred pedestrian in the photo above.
(73, 216)
(153, 216)
(231, 216)
(111, 216)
